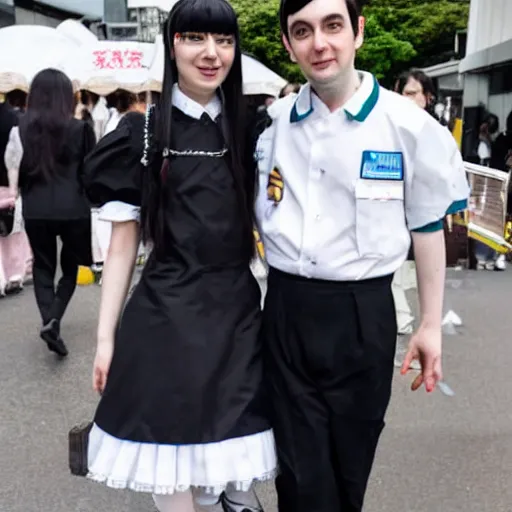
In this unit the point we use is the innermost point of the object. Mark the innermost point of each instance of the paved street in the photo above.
(438, 454)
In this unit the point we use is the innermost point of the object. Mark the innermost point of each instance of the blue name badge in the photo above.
(382, 165)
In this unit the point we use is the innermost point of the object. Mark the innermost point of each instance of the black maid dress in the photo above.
(183, 405)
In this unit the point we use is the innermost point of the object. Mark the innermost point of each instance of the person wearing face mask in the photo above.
(180, 369)
(348, 172)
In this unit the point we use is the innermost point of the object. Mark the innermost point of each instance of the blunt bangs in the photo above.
(204, 16)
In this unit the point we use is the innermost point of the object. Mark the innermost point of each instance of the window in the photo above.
(500, 80)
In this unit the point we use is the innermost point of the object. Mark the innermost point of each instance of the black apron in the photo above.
(187, 366)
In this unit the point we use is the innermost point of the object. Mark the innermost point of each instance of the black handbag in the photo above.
(6, 221)
(78, 444)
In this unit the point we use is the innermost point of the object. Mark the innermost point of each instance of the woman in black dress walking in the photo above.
(180, 373)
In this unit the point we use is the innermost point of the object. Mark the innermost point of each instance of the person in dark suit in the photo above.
(45, 157)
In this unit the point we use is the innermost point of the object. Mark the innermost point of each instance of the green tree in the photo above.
(261, 36)
(383, 53)
(399, 34)
(430, 26)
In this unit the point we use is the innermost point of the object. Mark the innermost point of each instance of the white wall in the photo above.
(490, 23)
(476, 90)
(501, 105)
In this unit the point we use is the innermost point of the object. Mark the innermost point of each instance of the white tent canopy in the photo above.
(28, 49)
(77, 32)
(106, 66)
(258, 79)
(100, 66)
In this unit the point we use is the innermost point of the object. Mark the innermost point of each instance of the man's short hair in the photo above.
(290, 7)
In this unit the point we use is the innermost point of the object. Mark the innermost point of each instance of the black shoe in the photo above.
(231, 506)
(14, 287)
(50, 334)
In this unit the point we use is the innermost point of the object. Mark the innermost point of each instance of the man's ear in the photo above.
(360, 35)
(288, 48)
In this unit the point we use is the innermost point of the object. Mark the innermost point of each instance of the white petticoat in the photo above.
(166, 469)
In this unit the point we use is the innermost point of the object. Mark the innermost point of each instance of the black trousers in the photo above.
(329, 349)
(52, 300)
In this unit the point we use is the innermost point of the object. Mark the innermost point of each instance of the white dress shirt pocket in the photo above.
(379, 214)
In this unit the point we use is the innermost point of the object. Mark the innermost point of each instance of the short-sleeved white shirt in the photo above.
(353, 183)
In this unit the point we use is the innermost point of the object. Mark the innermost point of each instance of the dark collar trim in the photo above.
(360, 117)
(295, 117)
(368, 105)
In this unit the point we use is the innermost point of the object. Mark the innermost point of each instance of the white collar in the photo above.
(192, 108)
(357, 108)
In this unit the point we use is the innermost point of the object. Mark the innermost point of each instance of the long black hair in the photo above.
(203, 16)
(17, 99)
(50, 108)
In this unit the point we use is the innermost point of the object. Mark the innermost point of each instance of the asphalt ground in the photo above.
(437, 453)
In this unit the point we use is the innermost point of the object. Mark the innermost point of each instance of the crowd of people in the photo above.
(203, 392)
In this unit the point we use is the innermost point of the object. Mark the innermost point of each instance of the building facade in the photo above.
(149, 16)
(7, 16)
(49, 13)
(487, 67)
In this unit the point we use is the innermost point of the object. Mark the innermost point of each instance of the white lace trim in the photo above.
(166, 469)
(147, 136)
(194, 152)
(156, 489)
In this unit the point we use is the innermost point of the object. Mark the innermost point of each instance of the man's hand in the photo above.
(425, 346)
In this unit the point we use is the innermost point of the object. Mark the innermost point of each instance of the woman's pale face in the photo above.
(414, 91)
(203, 62)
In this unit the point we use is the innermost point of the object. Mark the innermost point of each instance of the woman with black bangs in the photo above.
(180, 370)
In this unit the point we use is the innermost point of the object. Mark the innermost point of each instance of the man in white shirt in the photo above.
(347, 172)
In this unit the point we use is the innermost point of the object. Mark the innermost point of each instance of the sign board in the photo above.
(488, 206)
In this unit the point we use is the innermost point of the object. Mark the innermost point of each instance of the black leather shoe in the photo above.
(50, 334)
(232, 506)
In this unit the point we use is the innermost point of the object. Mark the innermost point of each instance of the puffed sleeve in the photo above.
(113, 169)
(438, 184)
